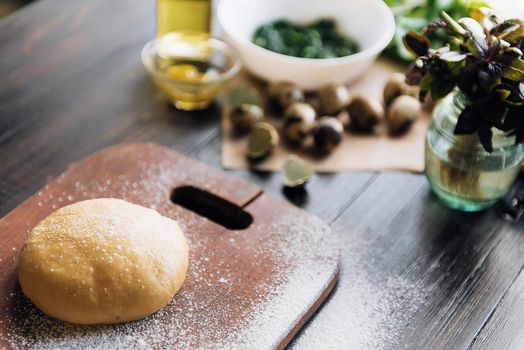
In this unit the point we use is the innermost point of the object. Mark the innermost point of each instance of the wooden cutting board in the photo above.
(252, 285)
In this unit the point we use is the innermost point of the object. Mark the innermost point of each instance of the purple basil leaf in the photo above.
(519, 43)
(485, 135)
(478, 48)
(487, 79)
(492, 50)
(467, 79)
(466, 123)
(493, 68)
(416, 43)
(436, 25)
(414, 74)
(493, 111)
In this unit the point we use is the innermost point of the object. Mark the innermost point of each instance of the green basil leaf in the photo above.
(427, 81)
(514, 35)
(504, 29)
(473, 27)
(453, 56)
(457, 28)
(503, 93)
(512, 68)
(441, 88)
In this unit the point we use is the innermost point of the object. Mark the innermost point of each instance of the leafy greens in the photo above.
(415, 15)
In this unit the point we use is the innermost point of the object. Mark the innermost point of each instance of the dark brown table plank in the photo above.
(415, 275)
(504, 329)
(424, 276)
(327, 195)
(72, 83)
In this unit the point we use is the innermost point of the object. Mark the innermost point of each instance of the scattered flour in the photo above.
(287, 266)
(370, 307)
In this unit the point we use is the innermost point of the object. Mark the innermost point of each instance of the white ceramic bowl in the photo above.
(369, 22)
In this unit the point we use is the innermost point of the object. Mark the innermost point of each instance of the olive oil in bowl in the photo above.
(191, 68)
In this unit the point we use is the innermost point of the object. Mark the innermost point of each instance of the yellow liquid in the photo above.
(190, 96)
(175, 15)
(192, 78)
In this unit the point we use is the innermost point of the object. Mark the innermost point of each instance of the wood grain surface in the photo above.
(236, 281)
(415, 274)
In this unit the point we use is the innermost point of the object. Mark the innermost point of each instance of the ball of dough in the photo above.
(103, 261)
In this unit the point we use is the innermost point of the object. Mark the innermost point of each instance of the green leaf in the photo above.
(427, 81)
(487, 79)
(505, 28)
(453, 56)
(513, 51)
(456, 67)
(477, 47)
(514, 35)
(416, 43)
(473, 27)
(415, 15)
(441, 88)
(502, 93)
(512, 96)
(457, 28)
(512, 68)
(513, 103)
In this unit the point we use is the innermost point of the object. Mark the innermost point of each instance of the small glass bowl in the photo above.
(191, 68)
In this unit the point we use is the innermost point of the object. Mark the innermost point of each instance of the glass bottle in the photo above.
(461, 173)
(187, 15)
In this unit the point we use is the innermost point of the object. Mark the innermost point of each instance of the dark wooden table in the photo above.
(415, 274)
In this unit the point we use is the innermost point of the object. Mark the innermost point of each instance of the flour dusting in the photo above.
(286, 265)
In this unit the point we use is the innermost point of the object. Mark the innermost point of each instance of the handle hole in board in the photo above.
(214, 208)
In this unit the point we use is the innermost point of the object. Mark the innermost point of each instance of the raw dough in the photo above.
(103, 261)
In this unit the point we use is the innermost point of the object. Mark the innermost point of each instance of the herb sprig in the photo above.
(484, 59)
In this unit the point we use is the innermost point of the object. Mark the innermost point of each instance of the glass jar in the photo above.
(461, 173)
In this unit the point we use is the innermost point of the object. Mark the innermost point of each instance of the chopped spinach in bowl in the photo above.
(319, 39)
